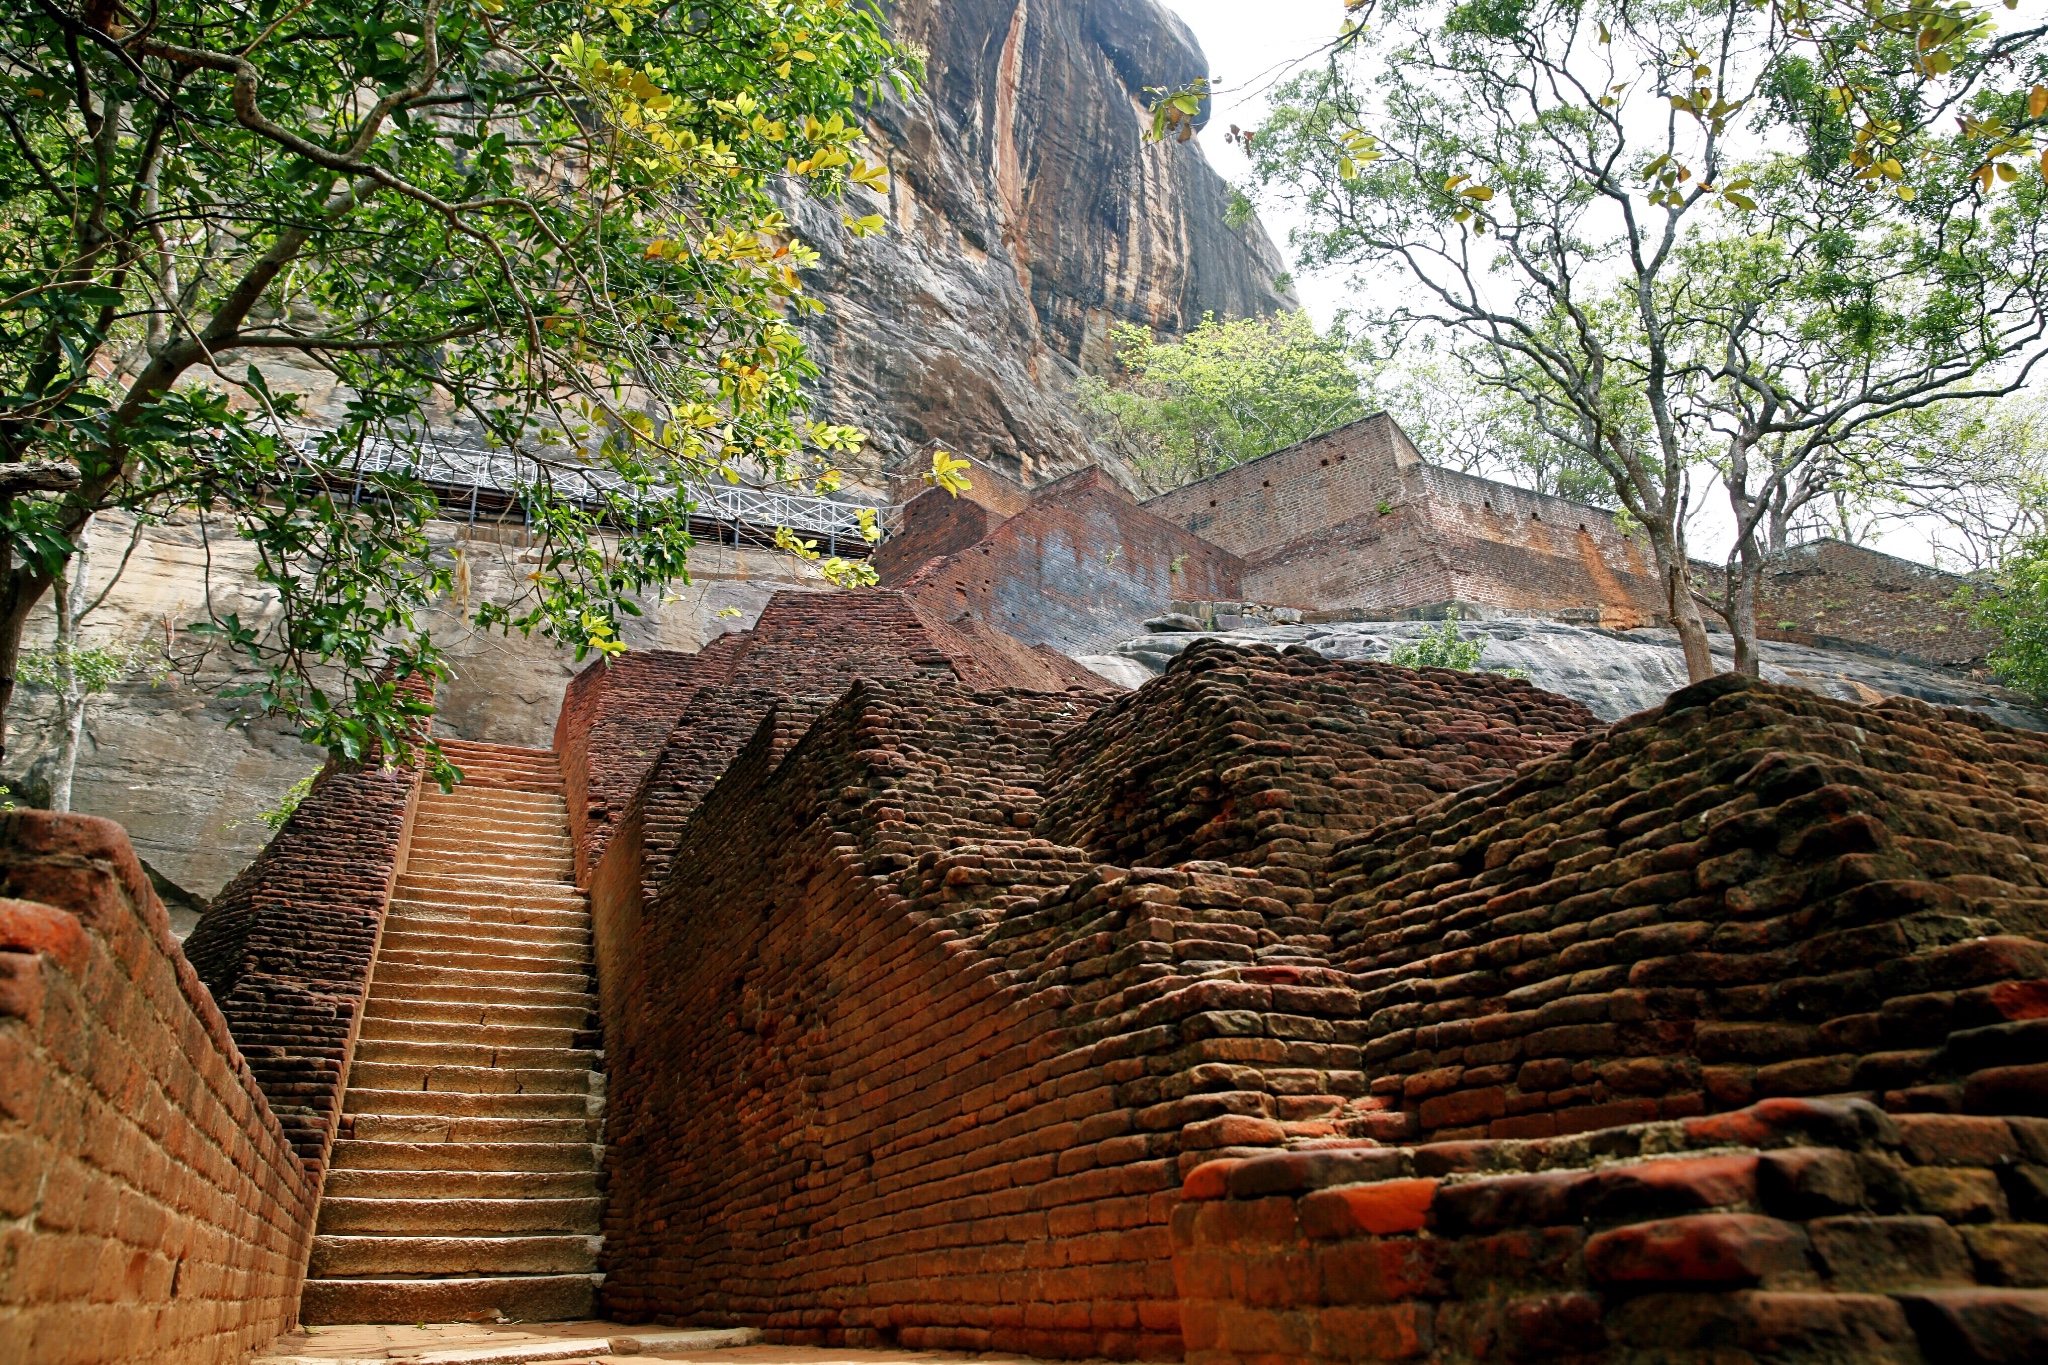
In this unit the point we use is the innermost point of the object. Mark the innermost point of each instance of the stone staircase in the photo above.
(464, 1181)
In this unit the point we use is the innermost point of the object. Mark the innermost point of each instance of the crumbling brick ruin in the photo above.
(879, 976)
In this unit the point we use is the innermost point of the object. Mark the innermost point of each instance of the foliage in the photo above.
(947, 473)
(548, 218)
(2018, 610)
(1446, 647)
(1681, 233)
(95, 668)
(1224, 393)
(288, 805)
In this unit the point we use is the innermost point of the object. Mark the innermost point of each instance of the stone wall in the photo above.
(1791, 1230)
(288, 947)
(151, 1207)
(1828, 591)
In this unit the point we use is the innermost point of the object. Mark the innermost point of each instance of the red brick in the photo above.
(1383, 1209)
(1709, 1249)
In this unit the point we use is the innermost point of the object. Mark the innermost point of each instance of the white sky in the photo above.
(1251, 47)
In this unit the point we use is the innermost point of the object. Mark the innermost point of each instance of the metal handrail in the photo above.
(436, 460)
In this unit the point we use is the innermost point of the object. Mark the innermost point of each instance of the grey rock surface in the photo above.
(1613, 673)
(188, 771)
(1025, 214)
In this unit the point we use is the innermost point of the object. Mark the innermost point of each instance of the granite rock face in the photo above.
(1612, 673)
(1025, 214)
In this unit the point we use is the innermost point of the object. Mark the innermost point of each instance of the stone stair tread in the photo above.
(427, 993)
(425, 1216)
(429, 1130)
(526, 1298)
(478, 1054)
(350, 1254)
(474, 1080)
(467, 1104)
(352, 1183)
(409, 1030)
(481, 1015)
(357, 1154)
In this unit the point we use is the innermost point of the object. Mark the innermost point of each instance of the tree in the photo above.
(75, 670)
(1459, 422)
(547, 219)
(1225, 393)
(1540, 170)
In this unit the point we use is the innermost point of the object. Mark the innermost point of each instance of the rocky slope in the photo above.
(1025, 214)
(1612, 673)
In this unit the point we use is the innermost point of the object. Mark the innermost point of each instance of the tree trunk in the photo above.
(72, 590)
(1745, 571)
(1684, 612)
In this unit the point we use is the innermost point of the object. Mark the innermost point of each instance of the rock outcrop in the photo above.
(1025, 214)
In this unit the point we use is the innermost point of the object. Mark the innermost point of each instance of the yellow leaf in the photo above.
(1479, 192)
(2037, 101)
(1605, 37)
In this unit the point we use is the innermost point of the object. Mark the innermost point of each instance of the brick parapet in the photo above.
(151, 1204)
(288, 946)
(1790, 1230)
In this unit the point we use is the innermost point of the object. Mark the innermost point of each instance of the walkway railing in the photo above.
(488, 481)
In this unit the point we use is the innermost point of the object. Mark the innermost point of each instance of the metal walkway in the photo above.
(484, 482)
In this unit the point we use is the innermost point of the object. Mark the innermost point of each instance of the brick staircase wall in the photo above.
(1789, 1230)
(151, 1204)
(905, 1051)
(287, 947)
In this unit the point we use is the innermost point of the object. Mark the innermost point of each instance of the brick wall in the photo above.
(1791, 1230)
(1353, 520)
(287, 947)
(1082, 568)
(620, 717)
(935, 524)
(1829, 591)
(1339, 476)
(151, 1206)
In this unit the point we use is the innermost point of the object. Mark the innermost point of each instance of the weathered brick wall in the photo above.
(288, 945)
(1795, 1230)
(1829, 591)
(620, 718)
(1080, 569)
(1339, 476)
(935, 524)
(1352, 519)
(153, 1207)
(1259, 758)
(1750, 891)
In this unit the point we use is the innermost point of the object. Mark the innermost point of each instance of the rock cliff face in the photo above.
(1025, 214)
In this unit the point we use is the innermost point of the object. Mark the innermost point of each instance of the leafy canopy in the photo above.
(546, 221)
(1224, 393)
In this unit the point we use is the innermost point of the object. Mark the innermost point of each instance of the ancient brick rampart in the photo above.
(287, 947)
(154, 1208)
(1253, 758)
(620, 718)
(1790, 1230)
(1353, 520)
(902, 1051)
(1828, 592)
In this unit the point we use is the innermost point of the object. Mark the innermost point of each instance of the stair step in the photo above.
(410, 1030)
(460, 1216)
(428, 1078)
(415, 974)
(363, 1099)
(475, 1056)
(345, 1254)
(480, 995)
(458, 1184)
(432, 1130)
(450, 950)
(521, 1298)
(431, 914)
(357, 1154)
(450, 928)
(397, 1006)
